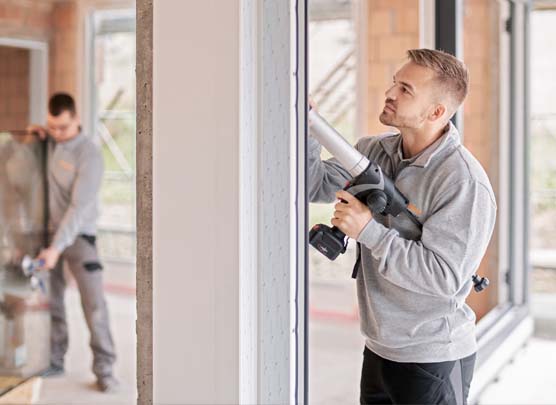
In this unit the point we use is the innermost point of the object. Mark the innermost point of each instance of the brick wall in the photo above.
(480, 118)
(29, 19)
(64, 48)
(19, 19)
(14, 88)
(51, 21)
(392, 28)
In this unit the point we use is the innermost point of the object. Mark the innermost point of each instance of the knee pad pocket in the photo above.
(92, 266)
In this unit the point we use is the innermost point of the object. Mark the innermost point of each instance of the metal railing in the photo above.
(335, 92)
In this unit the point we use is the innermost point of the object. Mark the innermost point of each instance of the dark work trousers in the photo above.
(83, 262)
(389, 382)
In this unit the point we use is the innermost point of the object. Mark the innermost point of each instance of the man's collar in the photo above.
(73, 141)
(392, 145)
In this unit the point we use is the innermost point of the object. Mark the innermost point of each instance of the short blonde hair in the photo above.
(451, 73)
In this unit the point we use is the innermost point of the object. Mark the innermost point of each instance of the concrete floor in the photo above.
(335, 355)
(77, 385)
(336, 349)
(529, 379)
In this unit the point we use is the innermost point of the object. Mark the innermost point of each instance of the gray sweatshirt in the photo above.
(75, 170)
(412, 284)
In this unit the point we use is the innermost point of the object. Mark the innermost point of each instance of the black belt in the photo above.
(92, 239)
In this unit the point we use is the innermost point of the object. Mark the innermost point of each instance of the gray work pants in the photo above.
(83, 262)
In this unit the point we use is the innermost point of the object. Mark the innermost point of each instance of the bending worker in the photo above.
(412, 284)
(75, 169)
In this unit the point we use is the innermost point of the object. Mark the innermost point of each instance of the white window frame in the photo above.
(274, 263)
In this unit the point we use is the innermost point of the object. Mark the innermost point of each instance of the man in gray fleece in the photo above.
(75, 169)
(412, 283)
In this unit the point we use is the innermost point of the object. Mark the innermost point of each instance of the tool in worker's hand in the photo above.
(368, 184)
(30, 269)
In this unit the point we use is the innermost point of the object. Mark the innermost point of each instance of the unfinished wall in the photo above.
(144, 177)
(64, 48)
(481, 43)
(27, 19)
(53, 22)
(392, 27)
(14, 88)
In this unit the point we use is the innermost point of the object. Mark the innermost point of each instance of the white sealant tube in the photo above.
(349, 157)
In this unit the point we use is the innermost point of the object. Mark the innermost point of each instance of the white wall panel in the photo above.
(225, 202)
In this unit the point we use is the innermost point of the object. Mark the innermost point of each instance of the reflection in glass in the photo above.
(24, 319)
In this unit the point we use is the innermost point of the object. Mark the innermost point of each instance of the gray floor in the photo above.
(77, 386)
(336, 360)
(529, 379)
(336, 352)
(335, 355)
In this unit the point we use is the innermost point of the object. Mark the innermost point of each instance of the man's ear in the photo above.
(437, 112)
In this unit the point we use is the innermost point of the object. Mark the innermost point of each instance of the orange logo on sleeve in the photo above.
(414, 209)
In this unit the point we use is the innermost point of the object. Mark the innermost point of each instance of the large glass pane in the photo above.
(352, 58)
(114, 120)
(543, 138)
(24, 317)
(335, 341)
(69, 43)
(486, 133)
(543, 170)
